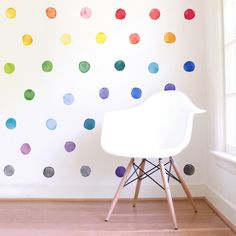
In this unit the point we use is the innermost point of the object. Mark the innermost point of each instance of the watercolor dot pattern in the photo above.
(116, 75)
(11, 13)
(9, 68)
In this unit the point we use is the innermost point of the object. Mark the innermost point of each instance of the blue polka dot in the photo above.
(11, 123)
(51, 124)
(153, 67)
(89, 124)
(68, 98)
(189, 66)
(136, 93)
(169, 87)
(120, 171)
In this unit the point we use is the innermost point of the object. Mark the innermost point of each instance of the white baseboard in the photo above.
(221, 204)
(147, 191)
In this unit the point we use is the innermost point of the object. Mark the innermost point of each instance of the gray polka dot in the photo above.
(189, 169)
(9, 170)
(48, 172)
(85, 171)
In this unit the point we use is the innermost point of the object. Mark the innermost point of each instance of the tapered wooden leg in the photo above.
(121, 185)
(168, 193)
(138, 184)
(183, 183)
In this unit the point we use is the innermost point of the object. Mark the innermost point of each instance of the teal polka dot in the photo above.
(89, 124)
(119, 65)
(11, 123)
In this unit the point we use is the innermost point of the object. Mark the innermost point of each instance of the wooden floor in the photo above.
(74, 218)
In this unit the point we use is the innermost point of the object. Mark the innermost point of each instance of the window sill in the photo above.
(226, 161)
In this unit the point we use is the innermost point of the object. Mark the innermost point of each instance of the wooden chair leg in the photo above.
(138, 184)
(183, 183)
(168, 193)
(121, 185)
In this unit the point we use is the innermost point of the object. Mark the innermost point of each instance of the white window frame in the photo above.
(229, 46)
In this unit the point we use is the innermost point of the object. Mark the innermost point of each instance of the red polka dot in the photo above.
(120, 14)
(134, 38)
(154, 14)
(189, 14)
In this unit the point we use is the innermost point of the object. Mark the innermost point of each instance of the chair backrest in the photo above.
(159, 127)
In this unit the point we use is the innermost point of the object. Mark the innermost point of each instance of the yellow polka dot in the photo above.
(27, 39)
(101, 37)
(11, 13)
(170, 37)
(65, 39)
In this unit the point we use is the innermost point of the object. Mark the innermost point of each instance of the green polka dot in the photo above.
(29, 94)
(47, 66)
(9, 68)
(84, 66)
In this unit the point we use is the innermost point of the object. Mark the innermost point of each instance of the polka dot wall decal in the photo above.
(153, 67)
(51, 124)
(48, 172)
(89, 124)
(120, 14)
(27, 39)
(9, 68)
(47, 66)
(189, 66)
(169, 87)
(189, 14)
(9, 170)
(68, 98)
(51, 12)
(25, 148)
(11, 123)
(65, 39)
(170, 37)
(134, 38)
(136, 93)
(84, 66)
(70, 146)
(29, 94)
(10, 13)
(104, 93)
(85, 171)
(86, 13)
(119, 65)
(154, 14)
(189, 169)
(101, 38)
(120, 171)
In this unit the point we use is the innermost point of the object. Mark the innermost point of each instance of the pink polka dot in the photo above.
(25, 148)
(86, 12)
(154, 14)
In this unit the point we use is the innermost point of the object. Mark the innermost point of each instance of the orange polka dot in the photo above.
(51, 12)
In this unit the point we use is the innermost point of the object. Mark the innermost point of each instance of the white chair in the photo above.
(159, 128)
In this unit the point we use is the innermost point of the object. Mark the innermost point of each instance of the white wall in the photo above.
(47, 146)
(221, 172)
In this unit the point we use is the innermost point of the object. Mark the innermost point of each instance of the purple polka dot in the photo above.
(104, 93)
(25, 148)
(120, 171)
(69, 146)
(169, 87)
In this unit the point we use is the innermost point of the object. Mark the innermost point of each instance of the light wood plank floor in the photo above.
(74, 218)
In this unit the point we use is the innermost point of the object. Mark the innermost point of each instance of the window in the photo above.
(230, 73)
